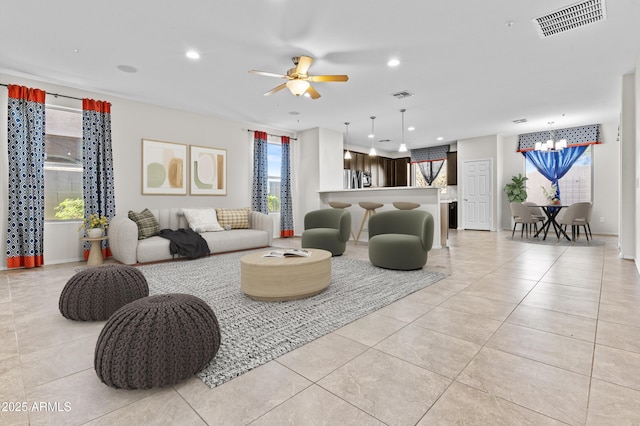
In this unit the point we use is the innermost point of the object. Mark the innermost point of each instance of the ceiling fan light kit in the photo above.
(299, 80)
(298, 87)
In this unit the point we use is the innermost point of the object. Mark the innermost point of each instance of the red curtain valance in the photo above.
(260, 135)
(22, 92)
(97, 106)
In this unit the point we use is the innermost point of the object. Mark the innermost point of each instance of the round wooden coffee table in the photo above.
(285, 278)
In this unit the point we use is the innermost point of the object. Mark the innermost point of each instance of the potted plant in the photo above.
(516, 190)
(95, 225)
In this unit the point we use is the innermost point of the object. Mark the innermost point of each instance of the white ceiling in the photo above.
(471, 73)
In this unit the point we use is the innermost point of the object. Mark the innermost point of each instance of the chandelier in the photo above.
(551, 144)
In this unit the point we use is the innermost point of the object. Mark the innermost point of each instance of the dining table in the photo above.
(551, 211)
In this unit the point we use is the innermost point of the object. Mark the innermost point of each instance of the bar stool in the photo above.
(370, 209)
(405, 205)
(341, 205)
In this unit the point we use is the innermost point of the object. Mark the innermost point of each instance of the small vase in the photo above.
(95, 232)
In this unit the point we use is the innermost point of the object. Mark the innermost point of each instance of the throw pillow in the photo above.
(202, 220)
(235, 218)
(148, 225)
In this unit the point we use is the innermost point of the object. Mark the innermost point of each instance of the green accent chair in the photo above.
(400, 239)
(327, 229)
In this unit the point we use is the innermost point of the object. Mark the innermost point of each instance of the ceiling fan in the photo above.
(299, 81)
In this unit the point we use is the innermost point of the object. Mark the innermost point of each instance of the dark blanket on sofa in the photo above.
(186, 242)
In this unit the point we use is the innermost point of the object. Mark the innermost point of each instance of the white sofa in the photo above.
(126, 248)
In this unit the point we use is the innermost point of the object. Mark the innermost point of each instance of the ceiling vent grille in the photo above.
(570, 18)
(403, 94)
(520, 120)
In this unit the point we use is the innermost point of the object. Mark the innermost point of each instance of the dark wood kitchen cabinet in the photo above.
(385, 172)
(452, 168)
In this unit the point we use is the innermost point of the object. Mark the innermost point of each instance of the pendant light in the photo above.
(403, 146)
(372, 152)
(347, 155)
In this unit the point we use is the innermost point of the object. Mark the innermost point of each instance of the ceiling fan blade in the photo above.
(303, 65)
(325, 78)
(267, 74)
(313, 93)
(276, 89)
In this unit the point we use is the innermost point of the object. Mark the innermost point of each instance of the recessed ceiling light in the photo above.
(192, 54)
(411, 128)
(76, 50)
(127, 68)
(393, 62)
(440, 138)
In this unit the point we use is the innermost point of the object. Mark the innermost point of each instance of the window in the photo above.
(63, 198)
(274, 159)
(575, 186)
(439, 182)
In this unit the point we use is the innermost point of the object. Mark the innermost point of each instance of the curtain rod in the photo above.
(52, 94)
(275, 136)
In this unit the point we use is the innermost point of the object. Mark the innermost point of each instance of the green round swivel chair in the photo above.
(327, 229)
(400, 239)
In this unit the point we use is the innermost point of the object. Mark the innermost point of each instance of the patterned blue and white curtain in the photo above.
(286, 211)
(575, 136)
(259, 201)
(25, 148)
(97, 164)
(430, 161)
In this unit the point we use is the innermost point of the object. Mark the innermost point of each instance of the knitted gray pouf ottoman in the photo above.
(95, 293)
(156, 341)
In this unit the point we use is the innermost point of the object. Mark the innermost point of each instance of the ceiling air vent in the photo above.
(520, 120)
(403, 94)
(571, 17)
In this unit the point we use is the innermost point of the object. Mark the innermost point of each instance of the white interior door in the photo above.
(477, 195)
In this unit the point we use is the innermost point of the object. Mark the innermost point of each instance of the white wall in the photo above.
(512, 163)
(318, 166)
(305, 177)
(131, 122)
(606, 181)
(627, 171)
(636, 210)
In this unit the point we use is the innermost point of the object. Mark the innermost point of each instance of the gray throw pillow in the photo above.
(148, 225)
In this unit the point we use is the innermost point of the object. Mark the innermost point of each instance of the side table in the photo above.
(95, 253)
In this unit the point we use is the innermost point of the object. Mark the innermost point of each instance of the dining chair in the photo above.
(584, 221)
(522, 215)
(576, 216)
(536, 212)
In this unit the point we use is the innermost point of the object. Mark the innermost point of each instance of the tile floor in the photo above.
(518, 334)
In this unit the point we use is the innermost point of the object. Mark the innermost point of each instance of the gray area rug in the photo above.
(255, 332)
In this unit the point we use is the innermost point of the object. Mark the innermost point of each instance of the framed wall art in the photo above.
(208, 171)
(164, 168)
